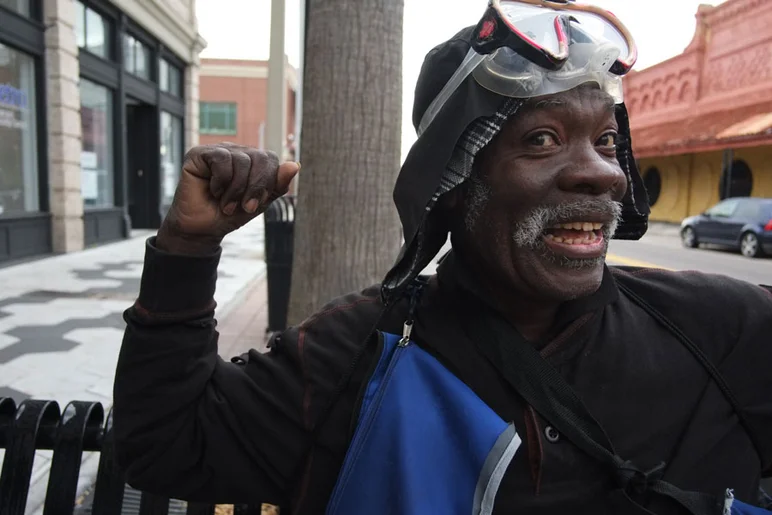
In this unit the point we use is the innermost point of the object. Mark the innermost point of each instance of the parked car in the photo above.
(742, 223)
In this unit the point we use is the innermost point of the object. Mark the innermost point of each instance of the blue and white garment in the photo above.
(425, 443)
(735, 507)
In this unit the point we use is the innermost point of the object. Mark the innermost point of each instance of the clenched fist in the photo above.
(221, 188)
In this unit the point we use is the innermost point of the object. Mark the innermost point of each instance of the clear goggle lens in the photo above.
(542, 27)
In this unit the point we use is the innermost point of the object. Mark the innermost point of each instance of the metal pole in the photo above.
(276, 112)
(722, 185)
(301, 75)
(729, 163)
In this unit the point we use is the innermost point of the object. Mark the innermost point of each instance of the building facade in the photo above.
(98, 100)
(233, 103)
(702, 121)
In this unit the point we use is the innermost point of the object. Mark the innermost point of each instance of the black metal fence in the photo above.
(81, 427)
(279, 221)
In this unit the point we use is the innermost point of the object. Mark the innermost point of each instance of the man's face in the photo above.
(544, 200)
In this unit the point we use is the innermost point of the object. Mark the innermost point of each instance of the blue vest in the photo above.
(425, 443)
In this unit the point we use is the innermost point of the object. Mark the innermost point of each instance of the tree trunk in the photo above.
(347, 232)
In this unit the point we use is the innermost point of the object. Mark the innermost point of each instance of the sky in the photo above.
(240, 29)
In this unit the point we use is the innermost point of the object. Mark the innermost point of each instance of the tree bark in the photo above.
(347, 232)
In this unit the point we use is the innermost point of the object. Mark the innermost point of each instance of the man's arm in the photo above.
(187, 423)
(190, 425)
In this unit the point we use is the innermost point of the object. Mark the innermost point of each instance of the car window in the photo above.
(766, 211)
(748, 210)
(724, 209)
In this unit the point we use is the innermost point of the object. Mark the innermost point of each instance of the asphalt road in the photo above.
(663, 249)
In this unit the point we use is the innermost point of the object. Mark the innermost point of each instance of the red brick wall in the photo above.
(250, 97)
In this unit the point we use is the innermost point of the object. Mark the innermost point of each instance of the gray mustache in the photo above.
(529, 231)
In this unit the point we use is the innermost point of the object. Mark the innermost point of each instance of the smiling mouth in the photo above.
(576, 240)
(575, 233)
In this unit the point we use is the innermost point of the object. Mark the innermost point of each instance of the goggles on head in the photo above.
(530, 48)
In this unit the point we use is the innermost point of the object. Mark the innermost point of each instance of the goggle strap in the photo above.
(467, 66)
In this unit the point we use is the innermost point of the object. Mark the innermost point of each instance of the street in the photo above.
(663, 249)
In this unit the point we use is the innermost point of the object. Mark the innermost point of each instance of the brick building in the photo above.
(233, 99)
(702, 121)
(98, 99)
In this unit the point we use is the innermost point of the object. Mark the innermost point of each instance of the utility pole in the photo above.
(276, 115)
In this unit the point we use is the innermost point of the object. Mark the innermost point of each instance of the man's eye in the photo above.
(543, 140)
(608, 140)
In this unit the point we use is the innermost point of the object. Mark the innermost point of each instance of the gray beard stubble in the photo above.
(528, 233)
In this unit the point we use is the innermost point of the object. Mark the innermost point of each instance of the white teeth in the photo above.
(586, 239)
(579, 226)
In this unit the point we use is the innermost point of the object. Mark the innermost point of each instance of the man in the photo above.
(525, 377)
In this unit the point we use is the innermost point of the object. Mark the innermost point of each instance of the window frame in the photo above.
(109, 25)
(204, 118)
(716, 211)
(139, 42)
(171, 69)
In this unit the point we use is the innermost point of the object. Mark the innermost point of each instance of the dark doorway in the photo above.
(142, 160)
(736, 180)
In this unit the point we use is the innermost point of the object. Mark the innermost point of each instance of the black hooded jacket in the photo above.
(275, 427)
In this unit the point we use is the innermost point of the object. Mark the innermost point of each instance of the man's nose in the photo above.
(592, 173)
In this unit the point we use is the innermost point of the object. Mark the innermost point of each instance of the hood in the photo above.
(431, 167)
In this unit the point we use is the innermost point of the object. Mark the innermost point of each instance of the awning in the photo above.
(759, 124)
(746, 126)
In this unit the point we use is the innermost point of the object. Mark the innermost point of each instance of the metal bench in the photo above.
(81, 427)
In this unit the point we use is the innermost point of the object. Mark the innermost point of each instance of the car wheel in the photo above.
(750, 246)
(689, 238)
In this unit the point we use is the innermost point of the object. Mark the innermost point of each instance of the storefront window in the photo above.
(136, 57)
(19, 6)
(96, 157)
(18, 133)
(92, 31)
(163, 75)
(171, 155)
(169, 78)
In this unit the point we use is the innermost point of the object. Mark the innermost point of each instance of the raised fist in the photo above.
(221, 188)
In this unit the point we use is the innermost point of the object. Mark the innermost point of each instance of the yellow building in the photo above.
(702, 121)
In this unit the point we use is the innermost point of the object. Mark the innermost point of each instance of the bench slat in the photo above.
(34, 421)
(82, 427)
(80, 420)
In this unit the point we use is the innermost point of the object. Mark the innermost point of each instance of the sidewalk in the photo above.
(664, 229)
(61, 323)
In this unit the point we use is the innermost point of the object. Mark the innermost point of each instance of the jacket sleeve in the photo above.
(192, 426)
(748, 366)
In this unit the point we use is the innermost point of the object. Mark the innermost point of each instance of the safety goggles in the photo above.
(528, 48)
